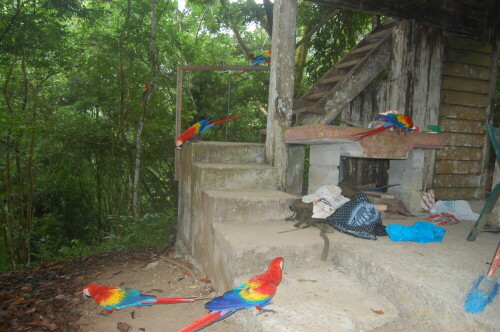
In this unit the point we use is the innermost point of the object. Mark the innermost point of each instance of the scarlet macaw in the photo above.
(264, 57)
(256, 292)
(401, 121)
(194, 132)
(115, 298)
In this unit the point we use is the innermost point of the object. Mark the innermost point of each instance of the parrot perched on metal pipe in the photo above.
(399, 121)
(194, 132)
(264, 57)
(256, 292)
(115, 298)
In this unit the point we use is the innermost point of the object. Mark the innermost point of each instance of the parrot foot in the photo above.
(266, 310)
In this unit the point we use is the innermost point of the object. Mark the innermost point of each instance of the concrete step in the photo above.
(229, 152)
(246, 248)
(247, 205)
(234, 176)
(426, 282)
(313, 296)
(320, 299)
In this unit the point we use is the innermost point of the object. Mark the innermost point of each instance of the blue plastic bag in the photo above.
(421, 231)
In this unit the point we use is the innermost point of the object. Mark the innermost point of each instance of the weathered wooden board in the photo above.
(459, 153)
(463, 126)
(463, 84)
(465, 98)
(463, 112)
(459, 167)
(468, 44)
(455, 139)
(456, 181)
(467, 71)
(472, 58)
(456, 193)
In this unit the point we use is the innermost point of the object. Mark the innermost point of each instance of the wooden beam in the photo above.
(247, 68)
(178, 119)
(453, 16)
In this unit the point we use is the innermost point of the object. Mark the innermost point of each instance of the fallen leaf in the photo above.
(378, 312)
(123, 327)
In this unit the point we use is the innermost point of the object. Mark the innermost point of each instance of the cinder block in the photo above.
(406, 177)
(324, 155)
(416, 159)
(320, 176)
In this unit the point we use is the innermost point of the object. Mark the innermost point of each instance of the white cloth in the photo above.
(325, 200)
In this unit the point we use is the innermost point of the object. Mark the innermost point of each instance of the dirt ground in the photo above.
(49, 298)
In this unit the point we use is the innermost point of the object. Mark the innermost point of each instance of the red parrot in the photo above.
(115, 298)
(256, 292)
(144, 93)
(400, 121)
(193, 132)
(264, 57)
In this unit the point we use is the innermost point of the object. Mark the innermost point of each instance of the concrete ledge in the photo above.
(229, 152)
(428, 282)
(384, 145)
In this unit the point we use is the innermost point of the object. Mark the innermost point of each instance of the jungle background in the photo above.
(87, 110)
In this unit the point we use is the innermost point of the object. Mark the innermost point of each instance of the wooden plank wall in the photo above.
(463, 113)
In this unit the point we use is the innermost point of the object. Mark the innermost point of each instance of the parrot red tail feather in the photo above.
(206, 320)
(371, 132)
(257, 292)
(238, 75)
(223, 120)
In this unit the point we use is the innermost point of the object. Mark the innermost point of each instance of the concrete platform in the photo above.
(427, 283)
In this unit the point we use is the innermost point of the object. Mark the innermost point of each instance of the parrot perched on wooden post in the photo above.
(256, 292)
(115, 298)
(194, 132)
(399, 121)
(264, 57)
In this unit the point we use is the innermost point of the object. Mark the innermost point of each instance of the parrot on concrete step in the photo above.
(256, 292)
(194, 132)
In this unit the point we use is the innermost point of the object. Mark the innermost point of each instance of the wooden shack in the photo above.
(441, 59)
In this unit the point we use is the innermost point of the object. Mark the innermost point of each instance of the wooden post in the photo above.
(281, 85)
(178, 119)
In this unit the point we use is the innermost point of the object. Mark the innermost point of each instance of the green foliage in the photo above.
(72, 74)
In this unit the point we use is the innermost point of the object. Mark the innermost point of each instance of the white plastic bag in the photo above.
(460, 209)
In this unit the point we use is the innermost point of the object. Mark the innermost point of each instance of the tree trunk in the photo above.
(281, 86)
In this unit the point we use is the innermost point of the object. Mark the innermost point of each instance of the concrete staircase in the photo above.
(231, 223)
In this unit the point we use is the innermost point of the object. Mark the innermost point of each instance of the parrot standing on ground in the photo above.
(194, 132)
(115, 298)
(256, 292)
(400, 121)
(264, 57)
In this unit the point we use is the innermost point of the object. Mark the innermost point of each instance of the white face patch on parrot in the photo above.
(86, 292)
